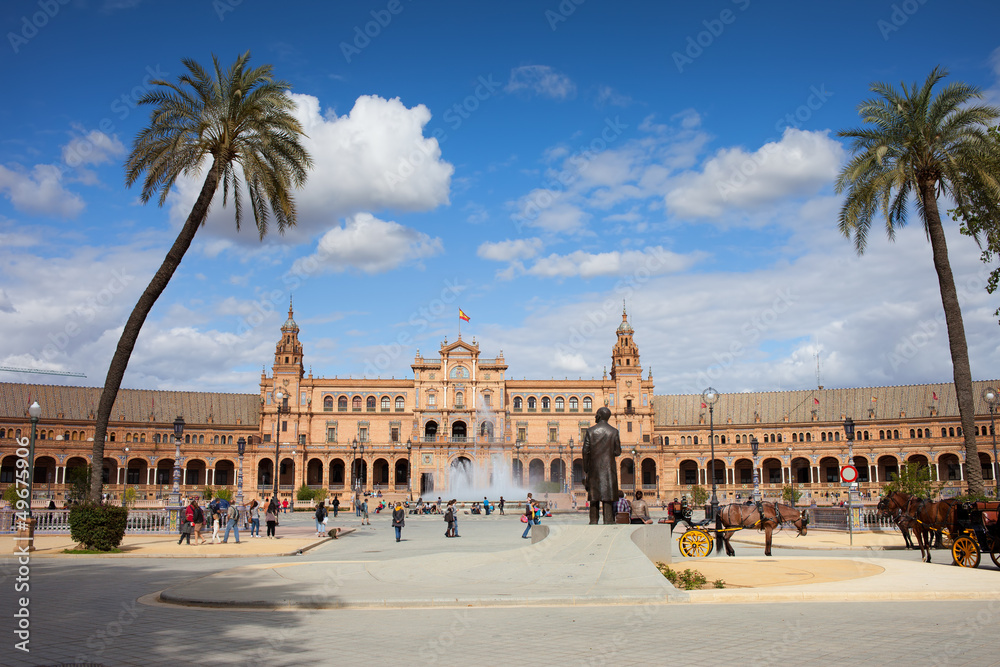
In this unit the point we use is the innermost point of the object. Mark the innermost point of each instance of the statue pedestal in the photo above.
(25, 534)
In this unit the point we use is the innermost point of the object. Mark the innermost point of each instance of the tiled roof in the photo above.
(831, 405)
(137, 405)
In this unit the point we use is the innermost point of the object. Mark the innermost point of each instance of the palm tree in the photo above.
(919, 144)
(239, 123)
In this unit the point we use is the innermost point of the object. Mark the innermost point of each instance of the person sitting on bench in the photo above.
(639, 512)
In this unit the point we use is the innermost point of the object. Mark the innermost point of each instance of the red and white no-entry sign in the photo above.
(848, 474)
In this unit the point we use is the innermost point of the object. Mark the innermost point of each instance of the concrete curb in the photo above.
(758, 595)
(294, 552)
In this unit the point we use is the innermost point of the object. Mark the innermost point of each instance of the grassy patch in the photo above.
(91, 551)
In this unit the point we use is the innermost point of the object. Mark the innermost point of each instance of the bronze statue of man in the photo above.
(601, 445)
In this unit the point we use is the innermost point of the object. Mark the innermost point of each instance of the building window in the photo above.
(284, 426)
(553, 434)
(215, 441)
(331, 434)
(356, 404)
(363, 434)
(488, 399)
(302, 439)
(545, 403)
(560, 404)
(267, 437)
(517, 402)
(342, 404)
(628, 426)
(400, 404)
(459, 399)
(587, 404)
(431, 400)
(521, 435)
(531, 403)
(573, 403)
(385, 404)
(394, 434)
(328, 404)
(370, 404)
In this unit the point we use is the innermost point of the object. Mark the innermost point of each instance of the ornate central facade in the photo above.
(460, 410)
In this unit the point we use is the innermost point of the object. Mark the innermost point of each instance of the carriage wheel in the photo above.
(965, 551)
(995, 553)
(695, 543)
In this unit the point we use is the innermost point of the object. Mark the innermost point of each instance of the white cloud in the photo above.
(508, 251)
(798, 165)
(649, 261)
(374, 158)
(370, 245)
(541, 79)
(94, 147)
(40, 192)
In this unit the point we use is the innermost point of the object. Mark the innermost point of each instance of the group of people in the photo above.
(218, 513)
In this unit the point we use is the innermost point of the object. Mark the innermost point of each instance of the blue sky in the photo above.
(534, 163)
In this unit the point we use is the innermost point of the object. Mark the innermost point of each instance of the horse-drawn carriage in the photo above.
(696, 541)
(976, 530)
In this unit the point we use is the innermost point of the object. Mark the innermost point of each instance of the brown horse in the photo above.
(923, 517)
(747, 516)
(892, 506)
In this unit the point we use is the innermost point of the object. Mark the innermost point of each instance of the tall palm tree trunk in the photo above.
(956, 333)
(133, 326)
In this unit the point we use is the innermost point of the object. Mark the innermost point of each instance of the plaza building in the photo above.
(460, 425)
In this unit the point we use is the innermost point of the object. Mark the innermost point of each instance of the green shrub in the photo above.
(547, 487)
(222, 493)
(129, 496)
(719, 583)
(98, 526)
(305, 493)
(699, 495)
(319, 495)
(10, 494)
(207, 493)
(692, 580)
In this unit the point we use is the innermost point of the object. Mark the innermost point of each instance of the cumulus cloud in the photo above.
(40, 191)
(542, 80)
(374, 158)
(95, 147)
(508, 251)
(796, 166)
(370, 245)
(650, 261)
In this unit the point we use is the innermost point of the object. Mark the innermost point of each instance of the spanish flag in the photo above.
(462, 315)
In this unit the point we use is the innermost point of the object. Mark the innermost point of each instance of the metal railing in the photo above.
(140, 521)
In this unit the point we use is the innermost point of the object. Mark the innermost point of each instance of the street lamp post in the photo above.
(635, 469)
(409, 470)
(241, 447)
(563, 464)
(34, 413)
(517, 457)
(849, 432)
(278, 399)
(709, 397)
(175, 496)
(791, 474)
(571, 479)
(991, 398)
(754, 447)
(125, 487)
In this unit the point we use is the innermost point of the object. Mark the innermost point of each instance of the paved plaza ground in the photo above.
(104, 611)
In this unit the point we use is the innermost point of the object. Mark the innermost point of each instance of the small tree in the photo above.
(207, 493)
(10, 494)
(699, 495)
(915, 480)
(790, 495)
(305, 493)
(319, 495)
(98, 526)
(223, 493)
(79, 484)
(129, 496)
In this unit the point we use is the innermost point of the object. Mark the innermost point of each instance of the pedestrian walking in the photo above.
(254, 518)
(284, 505)
(336, 506)
(357, 506)
(451, 516)
(398, 519)
(500, 505)
(486, 506)
(198, 521)
(530, 517)
(216, 524)
(232, 523)
(320, 519)
(364, 513)
(187, 524)
(271, 517)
